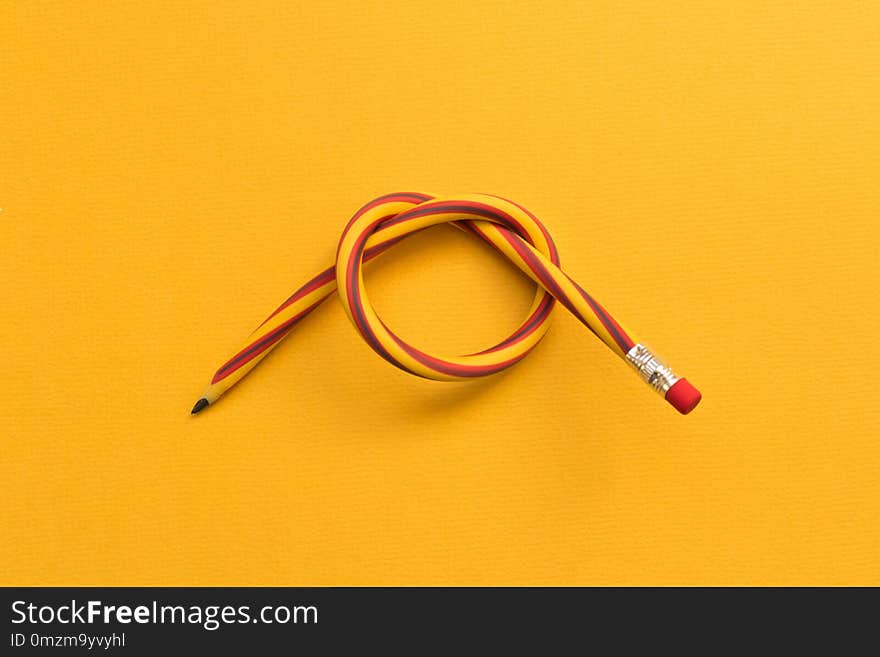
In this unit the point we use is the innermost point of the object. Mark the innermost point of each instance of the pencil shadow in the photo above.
(446, 397)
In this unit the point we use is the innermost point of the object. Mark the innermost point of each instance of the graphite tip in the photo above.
(200, 405)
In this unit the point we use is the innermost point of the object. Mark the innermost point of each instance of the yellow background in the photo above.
(170, 171)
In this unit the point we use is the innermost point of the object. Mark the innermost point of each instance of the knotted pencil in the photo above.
(502, 224)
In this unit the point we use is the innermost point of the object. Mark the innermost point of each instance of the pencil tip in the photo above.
(200, 405)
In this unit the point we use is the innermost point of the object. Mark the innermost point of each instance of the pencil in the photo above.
(505, 226)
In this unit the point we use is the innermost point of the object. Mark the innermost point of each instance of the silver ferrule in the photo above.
(654, 371)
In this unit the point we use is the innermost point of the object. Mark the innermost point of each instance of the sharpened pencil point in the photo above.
(200, 405)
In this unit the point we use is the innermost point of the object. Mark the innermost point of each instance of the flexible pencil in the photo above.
(502, 224)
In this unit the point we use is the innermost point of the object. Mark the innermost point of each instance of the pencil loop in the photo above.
(502, 224)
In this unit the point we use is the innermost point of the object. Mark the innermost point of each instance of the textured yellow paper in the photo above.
(170, 171)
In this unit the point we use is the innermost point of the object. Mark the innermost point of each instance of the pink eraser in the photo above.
(683, 396)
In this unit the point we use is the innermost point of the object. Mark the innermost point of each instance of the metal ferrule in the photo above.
(654, 371)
